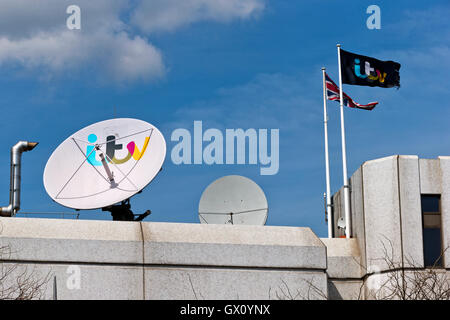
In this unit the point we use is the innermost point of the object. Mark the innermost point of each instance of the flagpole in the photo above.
(327, 161)
(344, 153)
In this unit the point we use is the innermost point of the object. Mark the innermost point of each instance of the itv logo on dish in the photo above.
(111, 148)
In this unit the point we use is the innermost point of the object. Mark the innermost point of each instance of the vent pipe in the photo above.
(14, 189)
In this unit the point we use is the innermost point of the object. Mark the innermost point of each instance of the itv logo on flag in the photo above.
(366, 71)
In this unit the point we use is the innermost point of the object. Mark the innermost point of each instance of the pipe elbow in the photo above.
(23, 146)
(6, 211)
(31, 145)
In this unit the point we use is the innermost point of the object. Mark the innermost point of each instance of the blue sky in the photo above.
(231, 64)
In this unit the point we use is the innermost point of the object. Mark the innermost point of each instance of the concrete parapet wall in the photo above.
(142, 260)
(344, 268)
(343, 258)
(233, 246)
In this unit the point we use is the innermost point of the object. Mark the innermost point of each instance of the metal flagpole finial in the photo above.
(338, 45)
(323, 68)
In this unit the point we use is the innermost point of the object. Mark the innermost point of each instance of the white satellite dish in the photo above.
(104, 163)
(233, 200)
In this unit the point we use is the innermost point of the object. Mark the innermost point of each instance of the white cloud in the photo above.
(25, 18)
(168, 15)
(33, 34)
(114, 56)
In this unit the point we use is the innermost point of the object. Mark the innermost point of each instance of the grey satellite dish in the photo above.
(105, 163)
(233, 200)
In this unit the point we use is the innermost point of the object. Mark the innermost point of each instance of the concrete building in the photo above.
(400, 207)
(401, 201)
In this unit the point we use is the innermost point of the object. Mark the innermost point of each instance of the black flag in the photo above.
(365, 71)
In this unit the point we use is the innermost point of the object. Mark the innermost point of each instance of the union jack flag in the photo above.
(333, 94)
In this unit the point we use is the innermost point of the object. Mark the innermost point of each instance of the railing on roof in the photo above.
(64, 215)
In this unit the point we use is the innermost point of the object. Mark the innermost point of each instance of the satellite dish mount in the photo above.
(122, 212)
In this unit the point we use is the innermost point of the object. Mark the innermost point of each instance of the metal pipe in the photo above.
(14, 189)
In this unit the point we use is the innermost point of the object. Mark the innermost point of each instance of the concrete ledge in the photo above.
(86, 241)
(144, 260)
(344, 259)
(345, 290)
(213, 284)
(94, 282)
(227, 245)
